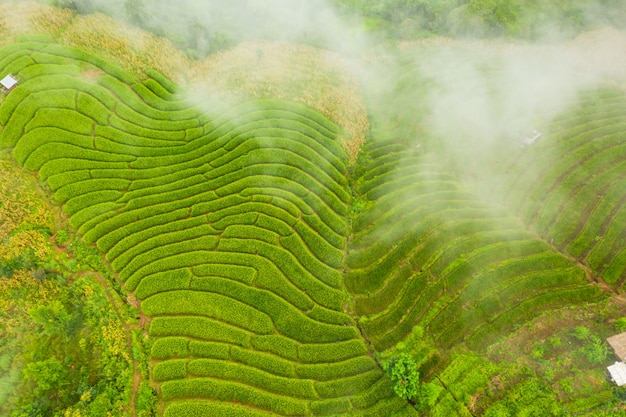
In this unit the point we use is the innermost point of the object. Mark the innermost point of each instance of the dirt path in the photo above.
(128, 329)
(144, 321)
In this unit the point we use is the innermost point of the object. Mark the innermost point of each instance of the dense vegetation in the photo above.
(235, 259)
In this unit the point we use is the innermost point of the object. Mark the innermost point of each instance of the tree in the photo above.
(48, 374)
(403, 372)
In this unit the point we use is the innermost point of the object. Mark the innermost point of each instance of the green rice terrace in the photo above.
(260, 255)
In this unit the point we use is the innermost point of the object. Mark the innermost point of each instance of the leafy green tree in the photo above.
(49, 374)
(403, 372)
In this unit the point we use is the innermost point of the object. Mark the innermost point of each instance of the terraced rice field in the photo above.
(577, 202)
(229, 227)
(236, 229)
(429, 252)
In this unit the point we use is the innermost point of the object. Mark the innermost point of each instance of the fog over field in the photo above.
(482, 90)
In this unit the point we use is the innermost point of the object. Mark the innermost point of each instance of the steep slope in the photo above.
(230, 228)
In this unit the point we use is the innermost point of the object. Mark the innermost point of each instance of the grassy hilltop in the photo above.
(261, 232)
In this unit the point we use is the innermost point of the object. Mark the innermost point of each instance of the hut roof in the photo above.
(8, 82)
(618, 373)
(618, 343)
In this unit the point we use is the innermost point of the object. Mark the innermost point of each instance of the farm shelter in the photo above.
(8, 82)
(618, 373)
(618, 343)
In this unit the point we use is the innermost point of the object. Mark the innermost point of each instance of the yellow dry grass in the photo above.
(318, 78)
(30, 17)
(132, 49)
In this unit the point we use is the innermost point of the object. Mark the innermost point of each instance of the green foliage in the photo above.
(582, 333)
(595, 350)
(620, 324)
(49, 375)
(403, 372)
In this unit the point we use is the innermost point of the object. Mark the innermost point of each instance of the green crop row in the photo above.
(170, 262)
(463, 268)
(61, 165)
(82, 188)
(611, 242)
(133, 242)
(145, 264)
(127, 224)
(322, 294)
(267, 278)
(172, 187)
(578, 178)
(277, 345)
(529, 308)
(87, 217)
(135, 220)
(325, 315)
(319, 246)
(209, 350)
(375, 393)
(62, 179)
(331, 352)
(195, 408)
(309, 262)
(412, 298)
(241, 273)
(51, 150)
(170, 369)
(48, 137)
(90, 199)
(42, 70)
(170, 347)
(215, 306)
(123, 90)
(153, 132)
(375, 303)
(246, 231)
(337, 370)
(233, 392)
(165, 83)
(219, 369)
(199, 327)
(288, 321)
(266, 362)
(186, 230)
(403, 321)
(349, 385)
(332, 407)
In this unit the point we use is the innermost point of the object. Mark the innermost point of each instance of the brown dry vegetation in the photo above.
(318, 78)
(129, 47)
(32, 18)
